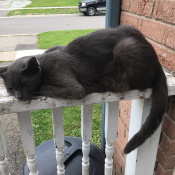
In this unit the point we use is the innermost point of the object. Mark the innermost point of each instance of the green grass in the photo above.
(43, 11)
(53, 3)
(6, 61)
(43, 129)
(42, 119)
(49, 39)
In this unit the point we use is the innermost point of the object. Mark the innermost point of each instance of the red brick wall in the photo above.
(122, 137)
(156, 20)
(166, 153)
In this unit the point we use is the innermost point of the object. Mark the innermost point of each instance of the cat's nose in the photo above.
(18, 95)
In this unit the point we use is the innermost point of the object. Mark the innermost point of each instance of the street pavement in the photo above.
(20, 32)
(42, 23)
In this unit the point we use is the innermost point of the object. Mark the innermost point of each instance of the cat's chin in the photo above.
(25, 99)
(28, 98)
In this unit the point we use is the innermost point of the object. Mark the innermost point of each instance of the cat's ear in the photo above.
(3, 71)
(32, 65)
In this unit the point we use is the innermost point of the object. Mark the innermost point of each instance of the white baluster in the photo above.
(109, 160)
(4, 169)
(86, 133)
(57, 117)
(111, 122)
(146, 153)
(31, 162)
(60, 161)
(28, 141)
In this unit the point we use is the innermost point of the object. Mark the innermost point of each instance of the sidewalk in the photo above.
(17, 42)
(10, 56)
(11, 46)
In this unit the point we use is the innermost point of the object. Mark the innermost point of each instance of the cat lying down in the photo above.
(113, 60)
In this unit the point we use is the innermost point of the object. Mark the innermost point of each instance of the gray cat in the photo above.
(115, 60)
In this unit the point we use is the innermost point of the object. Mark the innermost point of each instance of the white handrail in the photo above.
(135, 162)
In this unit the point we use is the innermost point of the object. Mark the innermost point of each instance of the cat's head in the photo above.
(22, 77)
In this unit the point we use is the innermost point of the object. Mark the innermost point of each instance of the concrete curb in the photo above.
(39, 8)
(34, 16)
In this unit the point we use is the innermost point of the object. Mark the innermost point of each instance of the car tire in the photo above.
(91, 11)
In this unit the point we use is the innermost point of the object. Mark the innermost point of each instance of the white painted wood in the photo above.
(28, 142)
(86, 133)
(111, 122)
(135, 124)
(136, 160)
(58, 129)
(60, 161)
(12, 105)
(31, 162)
(4, 169)
(146, 153)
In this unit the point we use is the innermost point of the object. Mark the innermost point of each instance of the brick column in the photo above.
(156, 20)
(122, 137)
(166, 153)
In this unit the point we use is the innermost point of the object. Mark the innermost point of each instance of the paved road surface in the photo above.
(38, 24)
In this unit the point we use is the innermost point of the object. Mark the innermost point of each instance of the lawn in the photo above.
(42, 119)
(43, 129)
(43, 11)
(49, 39)
(53, 3)
(47, 3)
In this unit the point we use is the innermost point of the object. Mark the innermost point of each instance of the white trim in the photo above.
(101, 9)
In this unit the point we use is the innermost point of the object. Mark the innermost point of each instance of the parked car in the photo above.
(90, 7)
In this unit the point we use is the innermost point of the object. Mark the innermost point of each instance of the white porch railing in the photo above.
(136, 160)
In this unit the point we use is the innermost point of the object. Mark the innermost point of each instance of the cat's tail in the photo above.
(159, 103)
